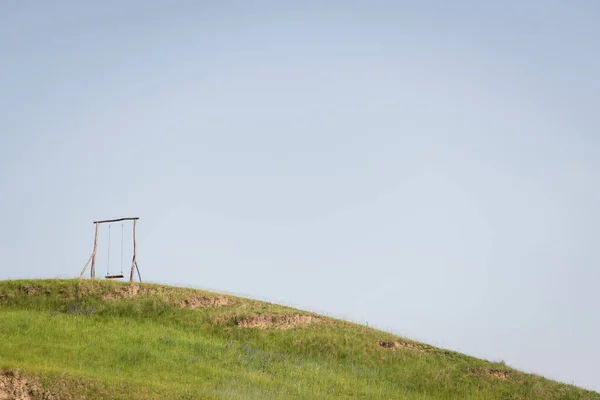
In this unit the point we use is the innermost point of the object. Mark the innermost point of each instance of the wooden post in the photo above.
(93, 269)
(86, 265)
(134, 261)
(138, 271)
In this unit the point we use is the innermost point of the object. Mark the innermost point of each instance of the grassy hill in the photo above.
(71, 339)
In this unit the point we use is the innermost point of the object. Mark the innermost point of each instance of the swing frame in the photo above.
(92, 259)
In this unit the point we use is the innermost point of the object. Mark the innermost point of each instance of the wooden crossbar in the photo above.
(116, 220)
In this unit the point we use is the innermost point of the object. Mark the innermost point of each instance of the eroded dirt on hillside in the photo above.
(14, 386)
(128, 292)
(500, 374)
(31, 290)
(205, 301)
(394, 345)
(276, 321)
(192, 302)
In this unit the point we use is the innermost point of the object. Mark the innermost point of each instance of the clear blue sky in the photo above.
(429, 167)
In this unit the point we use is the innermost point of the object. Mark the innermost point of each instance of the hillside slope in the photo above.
(70, 339)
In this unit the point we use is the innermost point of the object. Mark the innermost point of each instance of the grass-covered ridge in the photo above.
(103, 339)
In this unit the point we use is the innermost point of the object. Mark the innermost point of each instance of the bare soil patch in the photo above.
(14, 386)
(276, 321)
(128, 292)
(500, 374)
(31, 290)
(394, 345)
(193, 302)
(87, 287)
(205, 301)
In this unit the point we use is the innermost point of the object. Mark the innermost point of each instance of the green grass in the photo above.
(147, 347)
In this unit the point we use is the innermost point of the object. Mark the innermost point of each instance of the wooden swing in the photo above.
(92, 259)
(108, 274)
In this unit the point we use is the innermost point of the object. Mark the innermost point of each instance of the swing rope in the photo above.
(122, 228)
(108, 274)
(108, 265)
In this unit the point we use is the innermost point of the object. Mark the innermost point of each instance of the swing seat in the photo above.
(116, 276)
